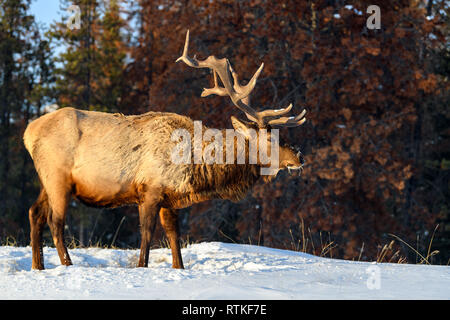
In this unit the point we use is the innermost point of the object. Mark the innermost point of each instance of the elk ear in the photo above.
(242, 128)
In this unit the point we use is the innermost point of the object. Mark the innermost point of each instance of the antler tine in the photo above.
(276, 112)
(185, 58)
(288, 121)
(239, 94)
(222, 68)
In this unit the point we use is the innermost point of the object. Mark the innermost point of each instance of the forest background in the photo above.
(375, 185)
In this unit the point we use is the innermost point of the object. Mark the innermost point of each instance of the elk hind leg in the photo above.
(169, 221)
(59, 200)
(38, 216)
(147, 219)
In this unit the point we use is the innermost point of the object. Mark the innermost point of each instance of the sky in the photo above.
(45, 11)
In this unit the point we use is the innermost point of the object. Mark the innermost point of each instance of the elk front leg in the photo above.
(147, 219)
(169, 221)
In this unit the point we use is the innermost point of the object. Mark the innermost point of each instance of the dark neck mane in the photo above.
(225, 181)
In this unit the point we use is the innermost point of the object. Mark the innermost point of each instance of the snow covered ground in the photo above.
(214, 270)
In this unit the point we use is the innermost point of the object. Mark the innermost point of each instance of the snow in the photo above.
(214, 270)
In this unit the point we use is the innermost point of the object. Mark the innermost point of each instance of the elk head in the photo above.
(259, 121)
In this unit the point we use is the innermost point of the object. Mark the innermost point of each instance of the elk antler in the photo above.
(240, 94)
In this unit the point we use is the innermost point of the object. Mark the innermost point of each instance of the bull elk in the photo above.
(111, 160)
